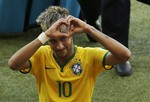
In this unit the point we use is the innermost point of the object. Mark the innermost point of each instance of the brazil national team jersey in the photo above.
(72, 82)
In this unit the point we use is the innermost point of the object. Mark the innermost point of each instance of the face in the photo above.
(62, 47)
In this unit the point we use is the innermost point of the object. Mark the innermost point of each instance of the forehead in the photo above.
(57, 39)
(60, 38)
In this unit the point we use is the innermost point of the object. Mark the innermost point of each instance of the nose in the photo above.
(59, 46)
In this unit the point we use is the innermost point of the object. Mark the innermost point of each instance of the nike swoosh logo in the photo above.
(49, 68)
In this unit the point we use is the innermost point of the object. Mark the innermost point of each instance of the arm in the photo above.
(117, 52)
(20, 60)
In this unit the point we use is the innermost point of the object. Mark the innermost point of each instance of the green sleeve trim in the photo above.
(27, 70)
(104, 64)
(30, 64)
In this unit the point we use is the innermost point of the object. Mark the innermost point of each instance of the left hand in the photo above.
(77, 25)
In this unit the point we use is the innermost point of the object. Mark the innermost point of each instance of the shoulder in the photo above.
(44, 48)
(91, 52)
(42, 51)
(90, 49)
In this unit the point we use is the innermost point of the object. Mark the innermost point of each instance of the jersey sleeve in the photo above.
(34, 62)
(99, 60)
(107, 67)
(27, 70)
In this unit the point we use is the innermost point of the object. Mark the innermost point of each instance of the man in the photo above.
(115, 17)
(65, 72)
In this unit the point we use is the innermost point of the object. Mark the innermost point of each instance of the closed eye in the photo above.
(52, 41)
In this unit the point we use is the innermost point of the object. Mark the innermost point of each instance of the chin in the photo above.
(63, 56)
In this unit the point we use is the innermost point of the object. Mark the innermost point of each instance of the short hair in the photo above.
(51, 15)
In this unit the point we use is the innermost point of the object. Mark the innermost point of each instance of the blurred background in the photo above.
(20, 15)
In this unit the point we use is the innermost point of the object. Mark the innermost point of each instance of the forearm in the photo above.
(24, 54)
(118, 50)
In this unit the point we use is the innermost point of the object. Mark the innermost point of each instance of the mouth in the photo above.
(62, 51)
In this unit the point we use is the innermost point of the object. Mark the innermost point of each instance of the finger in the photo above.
(69, 16)
(61, 21)
(70, 19)
(64, 35)
(71, 34)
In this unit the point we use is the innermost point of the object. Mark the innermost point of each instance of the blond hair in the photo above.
(51, 15)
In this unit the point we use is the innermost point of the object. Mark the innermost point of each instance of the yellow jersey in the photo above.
(72, 82)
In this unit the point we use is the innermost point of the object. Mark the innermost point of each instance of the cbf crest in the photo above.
(77, 68)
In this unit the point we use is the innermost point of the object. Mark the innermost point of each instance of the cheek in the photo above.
(68, 43)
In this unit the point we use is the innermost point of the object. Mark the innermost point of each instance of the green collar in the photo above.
(62, 66)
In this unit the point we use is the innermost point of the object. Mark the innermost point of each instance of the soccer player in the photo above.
(65, 72)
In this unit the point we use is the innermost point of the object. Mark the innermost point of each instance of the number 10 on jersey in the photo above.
(64, 89)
